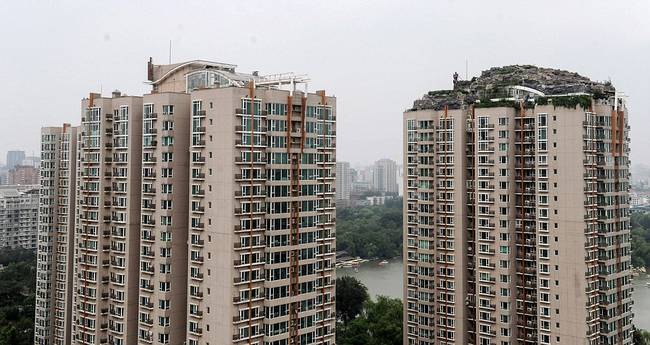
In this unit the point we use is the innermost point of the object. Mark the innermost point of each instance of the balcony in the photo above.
(148, 237)
(147, 305)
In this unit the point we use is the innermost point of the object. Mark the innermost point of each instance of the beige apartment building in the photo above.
(56, 234)
(517, 212)
(107, 252)
(206, 212)
(23, 175)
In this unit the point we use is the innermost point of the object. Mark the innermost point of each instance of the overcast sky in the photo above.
(375, 56)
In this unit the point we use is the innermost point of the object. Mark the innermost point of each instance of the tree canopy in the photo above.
(370, 231)
(641, 239)
(17, 296)
(350, 296)
(362, 321)
(640, 337)
(380, 323)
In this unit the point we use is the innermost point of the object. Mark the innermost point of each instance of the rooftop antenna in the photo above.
(170, 52)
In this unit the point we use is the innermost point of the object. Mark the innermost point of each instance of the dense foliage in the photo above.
(640, 337)
(370, 231)
(373, 322)
(350, 295)
(641, 239)
(17, 296)
(583, 101)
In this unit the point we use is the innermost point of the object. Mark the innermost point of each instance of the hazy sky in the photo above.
(375, 56)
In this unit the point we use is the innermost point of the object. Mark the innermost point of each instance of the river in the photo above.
(387, 280)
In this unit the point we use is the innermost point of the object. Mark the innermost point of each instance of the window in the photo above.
(168, 109)
(167, 172)
(163, 321)
(163, 304)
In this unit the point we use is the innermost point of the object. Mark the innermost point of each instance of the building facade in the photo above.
(108, 230)
(165, 209)
(18, 216)
(384, 176)
(206, 213)
(23, 175)
(517, 212)
(14, 158)
(263, 217)
(343, 181)
(56, 236)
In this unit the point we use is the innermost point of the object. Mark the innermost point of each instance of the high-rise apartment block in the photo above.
(517, 212)
(56, 236)
(23, 175)
(206, 212)
(343, 181)
(384, 176)
(18, 216)
(14, 158)
(109, 224)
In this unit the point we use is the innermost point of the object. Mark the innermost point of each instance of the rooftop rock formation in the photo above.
(497, 82)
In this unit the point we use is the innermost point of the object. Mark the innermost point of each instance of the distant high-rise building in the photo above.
(205, 214)
(33, 161)
(400, 180)
(56, 238)
(23, 175)
(384, 177)
(4, 177)
(516, 210)
(14, 158)
(364, 174)
(343, 181)
(18, 216)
